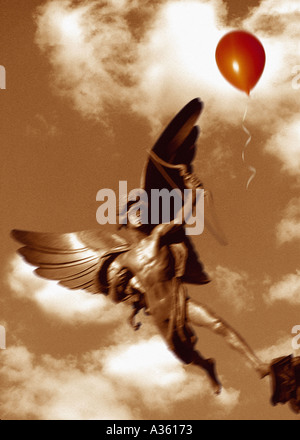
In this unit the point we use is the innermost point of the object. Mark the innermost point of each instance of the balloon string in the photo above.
(250, 168)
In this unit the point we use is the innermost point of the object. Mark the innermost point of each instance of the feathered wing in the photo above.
(176, 145)
(74, 259)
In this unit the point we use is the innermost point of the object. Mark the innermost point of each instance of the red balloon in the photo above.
(241, 58)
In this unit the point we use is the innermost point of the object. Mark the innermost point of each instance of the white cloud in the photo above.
(288, 228)
(99, 60)
(177, 59)
(91, 49)
(234, 287)
(137, 366)
(285, 145)
(288, 289)
(99, 385)
(48, 388)
(155, 370)
(277, 24)
(229, 399)
(73, 307)
(282, 347)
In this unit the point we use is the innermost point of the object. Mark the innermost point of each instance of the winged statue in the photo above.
(150, 268)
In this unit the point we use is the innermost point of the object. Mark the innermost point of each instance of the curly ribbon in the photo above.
(250, 168)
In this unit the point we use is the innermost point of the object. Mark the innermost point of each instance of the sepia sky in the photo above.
(89, 87)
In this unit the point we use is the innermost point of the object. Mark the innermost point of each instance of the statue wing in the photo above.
(74, 259)
(173, 153)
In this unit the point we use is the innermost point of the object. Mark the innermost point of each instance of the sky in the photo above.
(90, 85)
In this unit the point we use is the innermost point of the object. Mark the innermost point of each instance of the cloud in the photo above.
(98, 61)
(288, 228)
(136, 366)
(164, 381)
(276, 23)
(48, 388)
(172, 57)
(105, 383)
(229, 399)
(149, 366)
(178, 63)
(282, 347)
(285, 145)
(92, 51)
(288, 289)
(153, 58)
(234, 287)
(115, 383)
(73, 307)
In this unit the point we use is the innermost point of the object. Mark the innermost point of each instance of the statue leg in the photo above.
(200, 315)
(185, 351)
(209, 366)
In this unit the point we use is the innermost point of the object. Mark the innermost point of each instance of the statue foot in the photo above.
(211, 371)
(137, 326)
